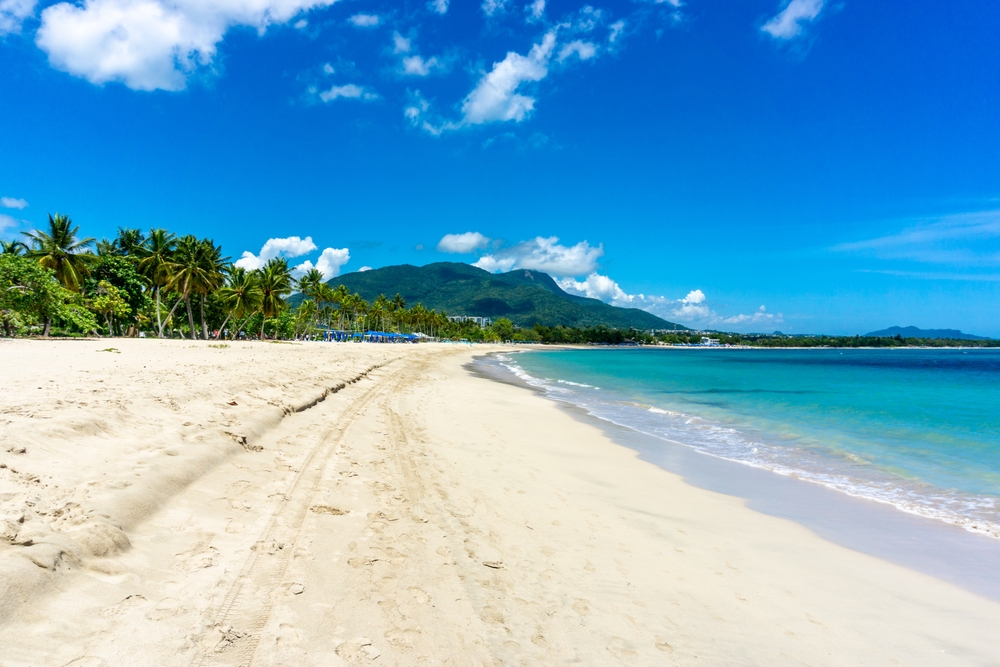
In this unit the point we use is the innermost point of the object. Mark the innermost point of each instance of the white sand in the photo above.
(418, 516)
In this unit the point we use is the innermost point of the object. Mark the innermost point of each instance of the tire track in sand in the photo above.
(247, 606)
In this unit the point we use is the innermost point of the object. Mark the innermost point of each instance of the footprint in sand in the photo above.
(663, 645)
(581, 607)
(419, 595)
(619, 648)
(130, 602)
(359, 647)
(165, 608)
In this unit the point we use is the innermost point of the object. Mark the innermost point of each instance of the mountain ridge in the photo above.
(526, 297)
(914, 332)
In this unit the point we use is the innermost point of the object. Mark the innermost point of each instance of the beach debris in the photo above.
(326, 509)
(229, 637)
(296, 589)
(17, 450)
(244, 442)
(233, 403)
(495, 564)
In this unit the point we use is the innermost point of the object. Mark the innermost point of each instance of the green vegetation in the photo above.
(158, 284)
(136, 284)
(524, 297)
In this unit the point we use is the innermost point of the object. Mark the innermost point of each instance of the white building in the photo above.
(483, 322)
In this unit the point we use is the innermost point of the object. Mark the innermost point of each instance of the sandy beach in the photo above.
(178, 503)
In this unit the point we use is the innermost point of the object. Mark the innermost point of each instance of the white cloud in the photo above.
(329, 263)
(13, 13)
(462, 243)
(788, 23)
(8, 224)
(364, 20)
(439, 6)
(151, 44)
(400, 44)
(11, 202)
(495, 97)
(301, 24)
(291, 246)
(615, 31)
(491, 7)
(759, 316)
(364, 268)
(328, 69)
(495, 264)
(693, 309)
(546, 255)
(348, 91)
(968, 239)
(535, 10)
(596, 286)
(584, 50)
(417, 66)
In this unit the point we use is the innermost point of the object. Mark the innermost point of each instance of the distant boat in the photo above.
(914, 332)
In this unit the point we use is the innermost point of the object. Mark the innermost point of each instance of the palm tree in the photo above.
(305, 314)
(379, 308)
(213, 277)
(129, 241)
(338, 296)
(59, 249)
(310, 282)
(106, 247)
(157, 255)
(275, 284)
(187, 274)
(241, 296)
(398, 304)
(12, 248)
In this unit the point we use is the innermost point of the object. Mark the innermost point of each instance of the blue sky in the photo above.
(832, 162)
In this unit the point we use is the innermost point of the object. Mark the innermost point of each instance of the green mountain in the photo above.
(914, 332)
(525, 297)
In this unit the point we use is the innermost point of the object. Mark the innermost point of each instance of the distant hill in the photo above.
(525, 297)
(914, 332)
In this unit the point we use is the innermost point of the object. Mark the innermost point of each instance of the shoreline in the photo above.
(416, 513)
(926, 544)
(923, 544)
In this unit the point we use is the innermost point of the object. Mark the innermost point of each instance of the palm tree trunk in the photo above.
(170, 315)
(190, 318)
(218, 336)
(204, 327)
(48, 327)
(159, 321)
(262, 321)
(237, 330)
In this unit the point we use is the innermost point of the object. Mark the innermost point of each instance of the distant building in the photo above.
(711, 342)
(483, 322)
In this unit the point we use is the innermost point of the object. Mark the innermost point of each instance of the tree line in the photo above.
(56, 282)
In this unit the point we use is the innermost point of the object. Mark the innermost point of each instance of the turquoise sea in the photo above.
(917, 429)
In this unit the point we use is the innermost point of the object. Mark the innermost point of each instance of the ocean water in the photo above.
(916, 429)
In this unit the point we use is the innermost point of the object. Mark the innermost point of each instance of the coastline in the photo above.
(417, 513)
(930, 546)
